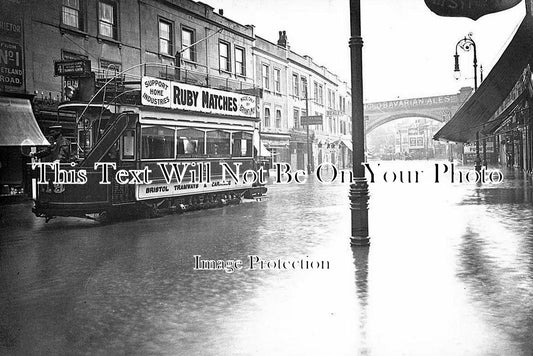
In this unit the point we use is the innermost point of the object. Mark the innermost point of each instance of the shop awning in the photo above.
(490, 127)
(482, 105)
(262, 151)
(19, 127)
(346, 143)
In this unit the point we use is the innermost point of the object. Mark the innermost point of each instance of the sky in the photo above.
(408, 50)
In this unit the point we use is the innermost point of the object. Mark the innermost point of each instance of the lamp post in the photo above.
(359, 187)
(466, 44)
(306, 116)
(309, 167)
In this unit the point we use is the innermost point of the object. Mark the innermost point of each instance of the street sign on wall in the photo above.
(311, 120)
(473, 9)
(73, 68)
(11, 66)
(11, 47)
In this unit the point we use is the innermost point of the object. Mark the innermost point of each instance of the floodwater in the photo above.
(449, 272)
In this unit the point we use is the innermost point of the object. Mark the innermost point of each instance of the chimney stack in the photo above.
(221, 12)
(282, 41)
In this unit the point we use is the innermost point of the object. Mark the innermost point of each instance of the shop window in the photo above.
(218, 143)
(157, 142)
(275, 155)
(108, 69)
(191, 142)
(242, 144)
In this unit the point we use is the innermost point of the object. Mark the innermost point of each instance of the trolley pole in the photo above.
(359, 187)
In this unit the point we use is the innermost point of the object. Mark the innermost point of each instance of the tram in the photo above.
(195, 152)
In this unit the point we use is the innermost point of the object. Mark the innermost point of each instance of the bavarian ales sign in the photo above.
(174, 95)
(473, 9)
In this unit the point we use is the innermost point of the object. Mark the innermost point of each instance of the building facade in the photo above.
(119, 41)
(67, 50)
(294, 86)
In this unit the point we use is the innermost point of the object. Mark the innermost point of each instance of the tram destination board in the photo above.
(311, 120)
(73, 68)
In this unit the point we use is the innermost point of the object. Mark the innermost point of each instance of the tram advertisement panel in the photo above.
(174, 95)
(163, 190)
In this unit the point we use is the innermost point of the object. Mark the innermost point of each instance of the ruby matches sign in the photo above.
(174, 95)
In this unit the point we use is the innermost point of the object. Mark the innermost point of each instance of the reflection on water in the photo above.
(496, 258)
(449, 272)
(360, 256)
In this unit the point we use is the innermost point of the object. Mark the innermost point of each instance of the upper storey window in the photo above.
(71, 14)
(165, 37)
(240, 61)
(107, 19)
(225, 59)
(187, 39)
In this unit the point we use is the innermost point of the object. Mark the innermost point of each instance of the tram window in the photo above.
(218, 143)
(191, 142)
(157, 142)
(128, 145)
(242, 144)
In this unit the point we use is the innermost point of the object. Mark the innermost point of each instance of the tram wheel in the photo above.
(103, 217)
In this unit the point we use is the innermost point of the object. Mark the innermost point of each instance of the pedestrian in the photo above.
(58, 150)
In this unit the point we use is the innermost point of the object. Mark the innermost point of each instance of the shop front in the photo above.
(345, 153)
(278, 146)
(298, 149)
(495, 122)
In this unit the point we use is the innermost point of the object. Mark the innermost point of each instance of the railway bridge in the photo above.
(440, 108)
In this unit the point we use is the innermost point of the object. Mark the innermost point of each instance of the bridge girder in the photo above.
(382, 120)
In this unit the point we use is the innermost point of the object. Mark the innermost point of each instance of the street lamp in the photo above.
(359, 187)
(466, 44)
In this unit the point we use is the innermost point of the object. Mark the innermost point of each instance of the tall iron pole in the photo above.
(307, 127)
(477, 164)
(359, 187)
(465, 44)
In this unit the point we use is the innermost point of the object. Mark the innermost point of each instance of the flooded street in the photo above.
(449, 272)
